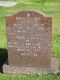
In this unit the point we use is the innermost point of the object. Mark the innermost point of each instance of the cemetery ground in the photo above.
(52, 9)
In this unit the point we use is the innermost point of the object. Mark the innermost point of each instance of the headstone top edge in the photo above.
(39, 12)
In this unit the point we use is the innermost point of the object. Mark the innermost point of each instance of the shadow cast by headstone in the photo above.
(3, 57)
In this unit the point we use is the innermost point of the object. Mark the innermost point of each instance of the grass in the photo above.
(52, 9)
(37, 1)
(29, 77)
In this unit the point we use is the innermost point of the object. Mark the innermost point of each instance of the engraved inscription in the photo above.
(27, 32)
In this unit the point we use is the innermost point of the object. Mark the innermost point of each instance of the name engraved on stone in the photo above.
(11, 46)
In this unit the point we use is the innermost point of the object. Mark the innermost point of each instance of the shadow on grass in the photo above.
(3, 57)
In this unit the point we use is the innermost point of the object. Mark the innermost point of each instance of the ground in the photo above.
(29, 77)
(49, 8)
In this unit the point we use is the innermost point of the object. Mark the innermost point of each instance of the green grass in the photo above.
(44, 1)
(52, 9)
(37, 1)
(29, 77)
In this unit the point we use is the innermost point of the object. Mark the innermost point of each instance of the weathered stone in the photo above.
(29, 36)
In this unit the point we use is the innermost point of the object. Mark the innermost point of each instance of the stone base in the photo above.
(31, 70)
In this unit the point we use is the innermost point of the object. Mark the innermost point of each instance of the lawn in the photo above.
(34, 0)
(52, 9)
(29, 77)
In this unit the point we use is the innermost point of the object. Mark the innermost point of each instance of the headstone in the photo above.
(29, 35)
